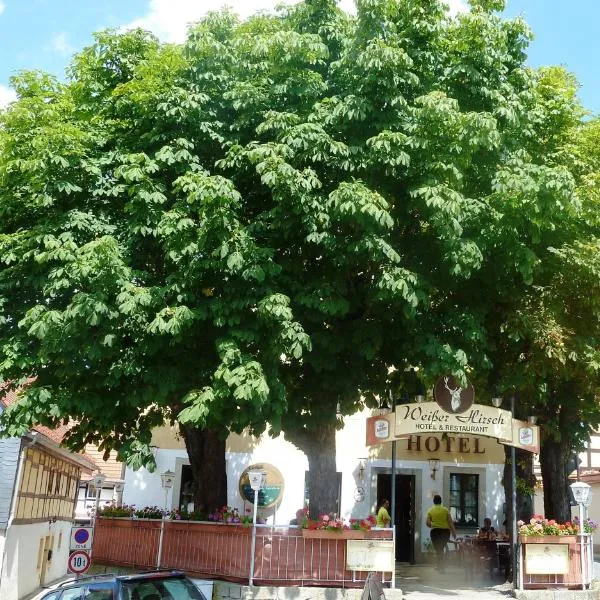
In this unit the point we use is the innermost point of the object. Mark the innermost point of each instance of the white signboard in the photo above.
(428, 417)
(370, 555)
(382, 429)
(79, 562)
(547, 559)
(81, 538)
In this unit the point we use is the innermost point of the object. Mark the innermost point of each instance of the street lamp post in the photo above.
(513, 500)
(98, 481)
(497, 402)
(257, 481)
(167, 478)
(581, 493)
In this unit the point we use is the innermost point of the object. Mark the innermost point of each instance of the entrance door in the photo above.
(405, 511)
(46, 557)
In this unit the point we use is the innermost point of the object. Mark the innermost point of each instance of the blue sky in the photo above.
(43, 34)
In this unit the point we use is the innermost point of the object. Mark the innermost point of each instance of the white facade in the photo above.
(362, 470)
(25, 550)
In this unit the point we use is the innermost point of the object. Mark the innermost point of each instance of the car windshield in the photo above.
(161, 589)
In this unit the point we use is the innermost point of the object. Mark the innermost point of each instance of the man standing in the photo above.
(383, 516)
(441, 524)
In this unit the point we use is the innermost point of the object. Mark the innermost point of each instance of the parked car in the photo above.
(157, 585)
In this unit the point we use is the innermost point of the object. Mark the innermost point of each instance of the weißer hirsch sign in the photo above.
(453, 412)
(428, 417)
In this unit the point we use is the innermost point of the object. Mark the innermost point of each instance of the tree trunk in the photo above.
(554, 456)
(319, 447)
(525, 485)
(206, 451)
(525, 488)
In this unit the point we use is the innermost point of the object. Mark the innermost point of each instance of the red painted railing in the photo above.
(217, 551)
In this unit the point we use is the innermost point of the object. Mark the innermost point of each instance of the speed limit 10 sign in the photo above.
(79, 562)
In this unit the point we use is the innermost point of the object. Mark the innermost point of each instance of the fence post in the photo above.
(160, 544)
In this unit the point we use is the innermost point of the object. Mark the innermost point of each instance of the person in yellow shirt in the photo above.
(383, 516)
(441, 524)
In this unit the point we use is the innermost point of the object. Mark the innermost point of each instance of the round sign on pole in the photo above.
(79, 562)
(272, 490)
(81, 536)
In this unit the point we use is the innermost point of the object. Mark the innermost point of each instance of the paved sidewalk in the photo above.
(424, 582)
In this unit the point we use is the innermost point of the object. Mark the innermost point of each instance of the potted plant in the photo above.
(539, 530)
(333, 527)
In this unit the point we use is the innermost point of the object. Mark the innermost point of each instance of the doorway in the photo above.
(405, 512)
(47, 544)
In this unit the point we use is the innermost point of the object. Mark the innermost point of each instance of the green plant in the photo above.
(112, 510)
(150, 512)
(538, 525)
(363, 524)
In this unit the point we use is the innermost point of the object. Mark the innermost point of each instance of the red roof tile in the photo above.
(56, 435)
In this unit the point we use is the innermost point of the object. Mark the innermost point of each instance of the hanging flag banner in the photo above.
(380, 429)
(525, 436)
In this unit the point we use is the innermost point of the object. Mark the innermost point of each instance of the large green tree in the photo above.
(544, 336)
(254, 226)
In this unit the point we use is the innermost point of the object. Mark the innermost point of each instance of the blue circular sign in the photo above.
(82, 536)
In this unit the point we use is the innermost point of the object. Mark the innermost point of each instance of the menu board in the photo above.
(547, 559)
(370, 555)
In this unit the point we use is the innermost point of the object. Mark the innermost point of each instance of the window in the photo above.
(161, 589)
(99, 593)
(72, 594)
(53, 596)
(464, 495)
(186, 493)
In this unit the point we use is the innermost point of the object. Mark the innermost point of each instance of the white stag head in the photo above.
(454, 395)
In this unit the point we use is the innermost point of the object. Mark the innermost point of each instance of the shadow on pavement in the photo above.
(422, 581)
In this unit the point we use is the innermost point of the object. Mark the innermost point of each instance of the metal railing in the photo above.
(214, 550)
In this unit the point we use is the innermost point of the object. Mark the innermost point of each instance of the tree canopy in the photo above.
(254, 226)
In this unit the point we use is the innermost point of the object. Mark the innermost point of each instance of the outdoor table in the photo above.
(494, 554)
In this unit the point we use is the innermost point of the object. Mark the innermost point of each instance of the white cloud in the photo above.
(2, 7)
(457, 6)
(60, 44)
(168, 19)
(6, 96)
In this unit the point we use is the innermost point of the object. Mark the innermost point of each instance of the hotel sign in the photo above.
(477, 420)
(454, 412)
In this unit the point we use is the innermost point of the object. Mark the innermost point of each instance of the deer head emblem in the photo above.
(454, 395)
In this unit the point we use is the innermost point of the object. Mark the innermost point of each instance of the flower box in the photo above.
(548, 539)
(346, 534)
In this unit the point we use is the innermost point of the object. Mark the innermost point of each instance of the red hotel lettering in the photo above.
(433, 444)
